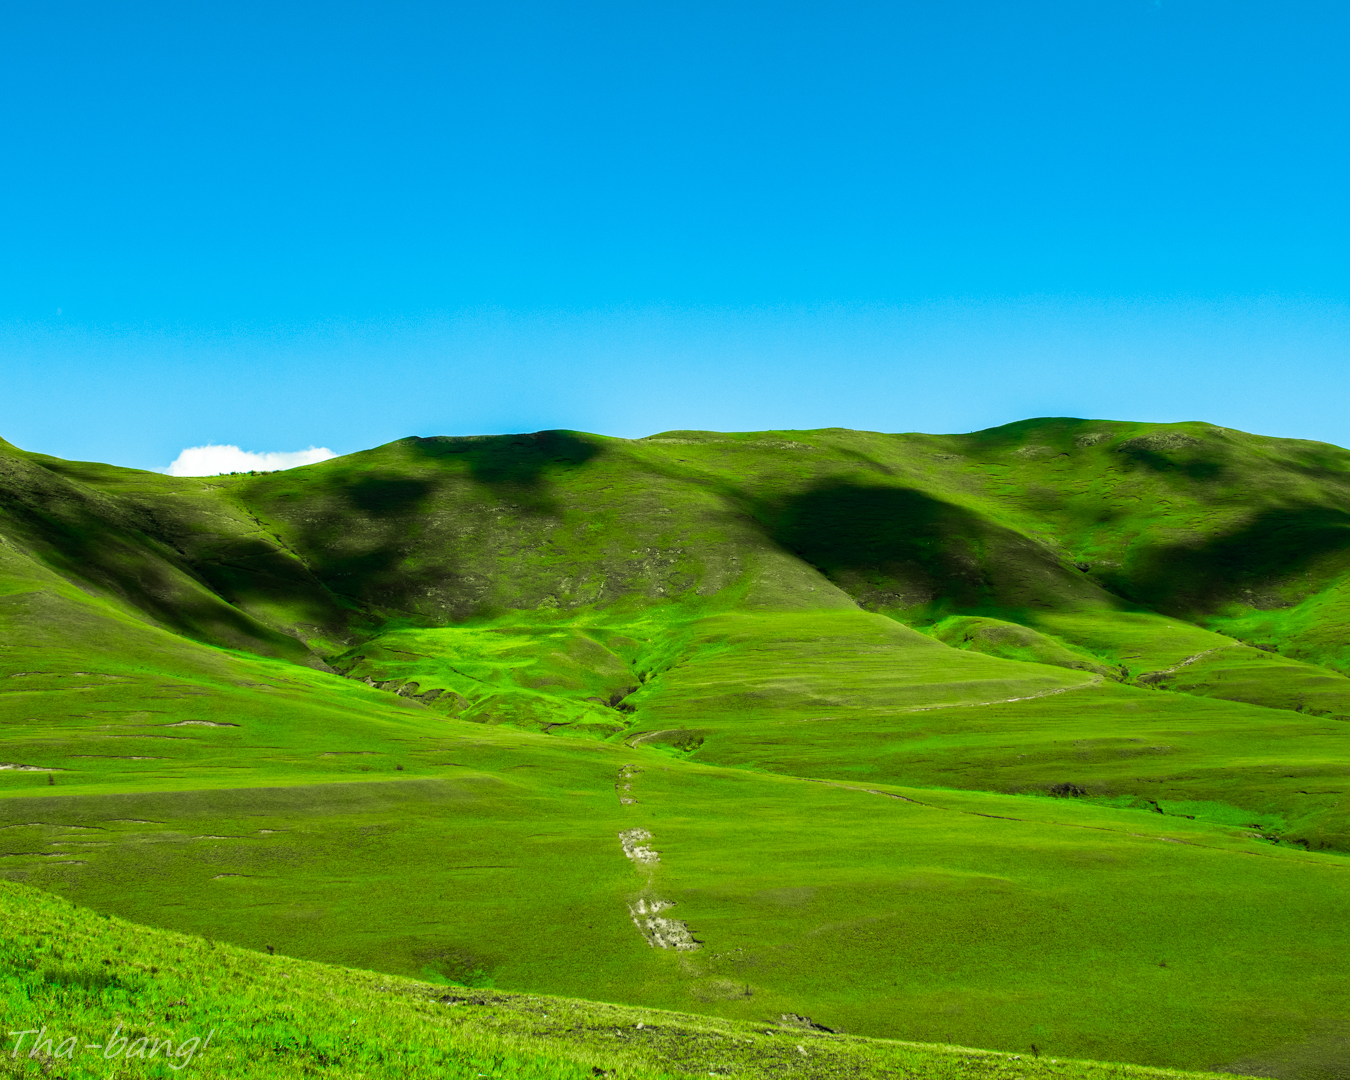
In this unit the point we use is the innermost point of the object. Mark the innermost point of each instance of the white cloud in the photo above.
(210, 460)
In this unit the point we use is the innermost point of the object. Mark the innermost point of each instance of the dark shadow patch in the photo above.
(92, 978)
(261, 578)
(377, 516)
(895, 547)
(387, 494)
(90, 540)
(401, 531)
(452, 965)
(518, 463)
(1173, 452)
(1259, 557)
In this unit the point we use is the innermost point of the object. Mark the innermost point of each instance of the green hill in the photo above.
(1031, 736)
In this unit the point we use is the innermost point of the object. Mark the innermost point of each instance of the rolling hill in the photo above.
(1036, 735)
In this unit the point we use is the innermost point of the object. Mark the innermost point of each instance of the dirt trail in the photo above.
(635, 848)
(637, 740)
(623, 786)
(646, 909)
(1096, 680)
(660, 932)
(1036, 821)
(1150, 676)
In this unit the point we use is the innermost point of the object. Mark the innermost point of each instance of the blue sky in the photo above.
(285, 224)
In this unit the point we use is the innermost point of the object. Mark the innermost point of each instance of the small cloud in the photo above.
(211, 460)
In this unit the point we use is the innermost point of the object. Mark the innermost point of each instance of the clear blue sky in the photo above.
(282, 224)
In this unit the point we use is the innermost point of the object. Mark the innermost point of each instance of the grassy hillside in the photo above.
(87, 994)
(1031, 736)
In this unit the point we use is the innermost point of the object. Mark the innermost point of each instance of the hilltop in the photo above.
(959, 739)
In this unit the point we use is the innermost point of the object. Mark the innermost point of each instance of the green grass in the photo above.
(938, 916)
(560, 679)
(160, 1004)
(393, 712)
(836, 696)
(1013, 641)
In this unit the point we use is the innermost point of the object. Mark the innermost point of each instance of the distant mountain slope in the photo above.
(1242, 534)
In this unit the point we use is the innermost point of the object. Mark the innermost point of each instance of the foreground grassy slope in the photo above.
(144, 1002)
(904, 913)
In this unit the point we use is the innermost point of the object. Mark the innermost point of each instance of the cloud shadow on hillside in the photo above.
(1197, 466)
(362, 541)
(1197, 579)
(512, 464)
(67, 533)
(899, 547)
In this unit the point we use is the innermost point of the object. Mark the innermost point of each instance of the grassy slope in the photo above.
(76, 974)
(799, 699)
(1225, 528)
(509, 871)
(51, 523)
(694, 599)
(950, 918)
